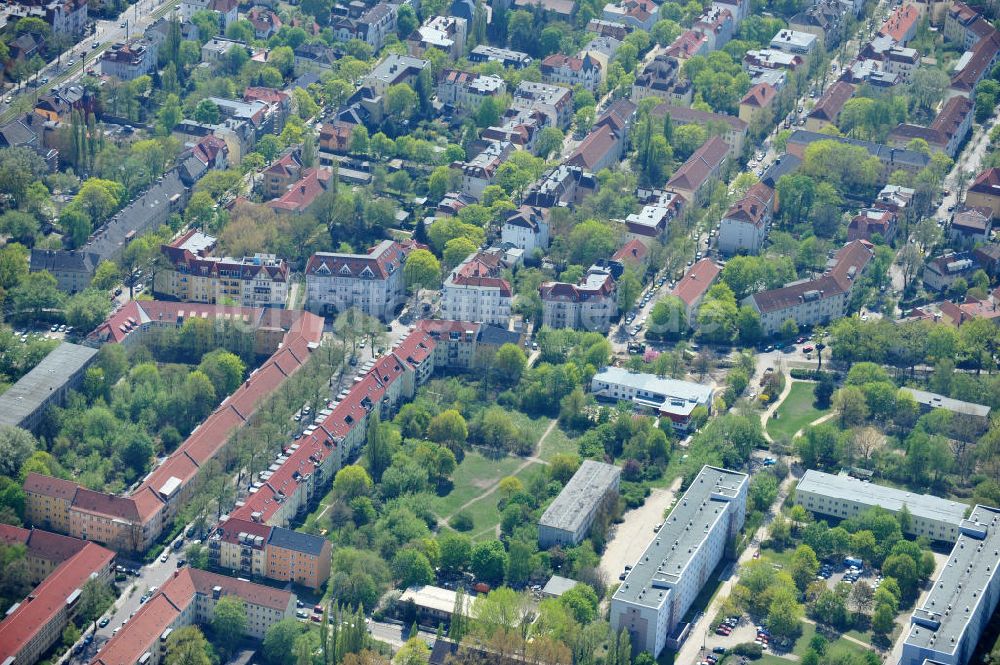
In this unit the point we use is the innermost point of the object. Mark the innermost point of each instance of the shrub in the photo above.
(461, 522)
(748, 649)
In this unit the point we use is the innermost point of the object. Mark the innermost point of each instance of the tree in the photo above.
(406, 22)
(508, 364)
(456, 551)
(850, 403)
(448, 428)
(804, 566)
(422, 270)
(19, 167)
(412, 568)
(279, 640)
(550, 140)
(87, 309)
(378, 451)
(188, 646)
(582, 601)
(352, 481)
(414, 652)
(37, 292)
(224, 369)
(400, 101)
(457, 250)
(784, 614)
(884, 619)
(229, 622)
(502, 610)
(488, 562)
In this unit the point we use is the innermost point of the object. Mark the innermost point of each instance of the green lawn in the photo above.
(472, 477)
(795, 412)
(557, 443)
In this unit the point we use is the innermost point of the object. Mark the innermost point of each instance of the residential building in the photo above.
(633, 254)
(557, 585)
(892, 159)
(282, 174)
(32, 626)
(823, 20)
(506, 57)
(572, 70)
(974, 65)
(828, 108)
(467, 91)
(756, 61)
(66, 18)
(567, 520)
(705, 166)
(664, 582)
(744, 226)
(553, 101)
(302, 193)
(756, 103)
(652, 222)
(445, 33)
(901, 62)
(740, 9)
(372, 282)
(48, 501)
(228, 10)
(692, 287)
(661, 78)
(73, 269)
(476, 291)
(732, 130)
(793, 42)
(129, 60)
(687, 45)
(947, 627)
(901, 25)
(945, 134)
(970, 227)
(602, 148)
(271, 552)
(560, 186)
(394, 69)
(588, 305)
(841, 496)
(895, 198)
(189, 597)
(479, 172)
(667, 398)
(612, 29)
(554, 9)
(964, 26)
(984, 192)
(814, 301)
(265, 22)
(641, 14)
(44, 551)
(216, 48)
(195, 275)
(526, 228)
(870, 222)
(603, 50)
(371, 26)
(927, 401)
(718, 25)
(47, 384)
(941, 272)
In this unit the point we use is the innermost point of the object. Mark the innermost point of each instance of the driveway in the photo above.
(631, 537)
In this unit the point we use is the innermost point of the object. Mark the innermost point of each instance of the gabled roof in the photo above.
(760, 95)
(697, 281)
(380, 262)
(754, 205)
(56, 488)
(594, 148)
(830, 104)
(303, 193)
(701, 165)
(632, 252)
(987, 182)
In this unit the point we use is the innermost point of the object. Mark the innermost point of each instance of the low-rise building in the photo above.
(687, 45)
(479, 172)
(661, 78)
(665, 581)
(693, 286)
(757, 102)
(371, 26)
(553, 101)
(506, 57)
(393, 70)
(705, 166)
(265, 22)
(814, 301)
(841, 496)
(942, 271)
(870, 222)
(129, 60)
(195, 275)
(633, 254)
(745, 225)
(668, 398)
(24, 404)
(302, 193)
(561, 186)
(572, 70)
(984, 192)
(927, 401)
(526, 228)
(945, 134)
(433, 605)
(568, 519)
(445, 33)
(970, 227)
(476, 291)
(718, 25)
(758, 60)
(73, 269)
(641, 14)
(589, 305)
(372, 282)
(947, 627)
(467, 91)
(901, 25)
(823, 20)
(793, 42)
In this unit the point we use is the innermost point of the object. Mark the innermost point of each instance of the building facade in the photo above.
(476, 291)
(372, 282)
(589, 305)
(568, 519)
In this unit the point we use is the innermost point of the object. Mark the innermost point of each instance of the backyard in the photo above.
(795, 412)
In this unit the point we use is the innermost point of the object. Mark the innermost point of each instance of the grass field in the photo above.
(795, 412)
(557, 443)
(472, 477)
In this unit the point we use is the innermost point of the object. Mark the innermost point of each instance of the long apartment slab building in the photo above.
(842, 496)
(568, 519)
(947, 626)
(652, 601)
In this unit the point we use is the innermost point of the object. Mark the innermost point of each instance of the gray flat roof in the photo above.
(940, 622)
(587, 486)
(936, 401)
(558, 585)
(890, 498)
(669, 388)
(34, 388)
(672, 548)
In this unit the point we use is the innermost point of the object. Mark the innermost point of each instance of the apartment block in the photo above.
(259, 550)
(476, 291)
(47, 384)
(372, 282)
(589, 305)
(745, 225)
(841, 496)
(567, 520)
(656, 594)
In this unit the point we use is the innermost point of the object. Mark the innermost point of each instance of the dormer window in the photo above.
(345, 270)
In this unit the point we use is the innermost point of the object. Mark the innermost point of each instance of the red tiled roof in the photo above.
(303, 193)
(13, 535)
(631, 252)
(697, 281)
(382, 260)
(53, 546)
(850, 263)
(760, 95)
(900, 22)
(754, 205)
(49, 598)
(830, 104)
(57, 488)
(594, 148)
(983, 54)
(699, 167)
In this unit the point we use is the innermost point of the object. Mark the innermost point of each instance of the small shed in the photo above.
(557, 586)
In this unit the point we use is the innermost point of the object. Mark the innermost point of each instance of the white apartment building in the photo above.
(842, 496)
(527, 228)
(589, 305)
(446, 33)
(667, 578)
(371, 282)
(476, 292)
(572, 70)
(744, 227)
(478, 172)
(466, 90)
(948, 625)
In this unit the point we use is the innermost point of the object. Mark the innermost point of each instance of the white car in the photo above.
(163, 559)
